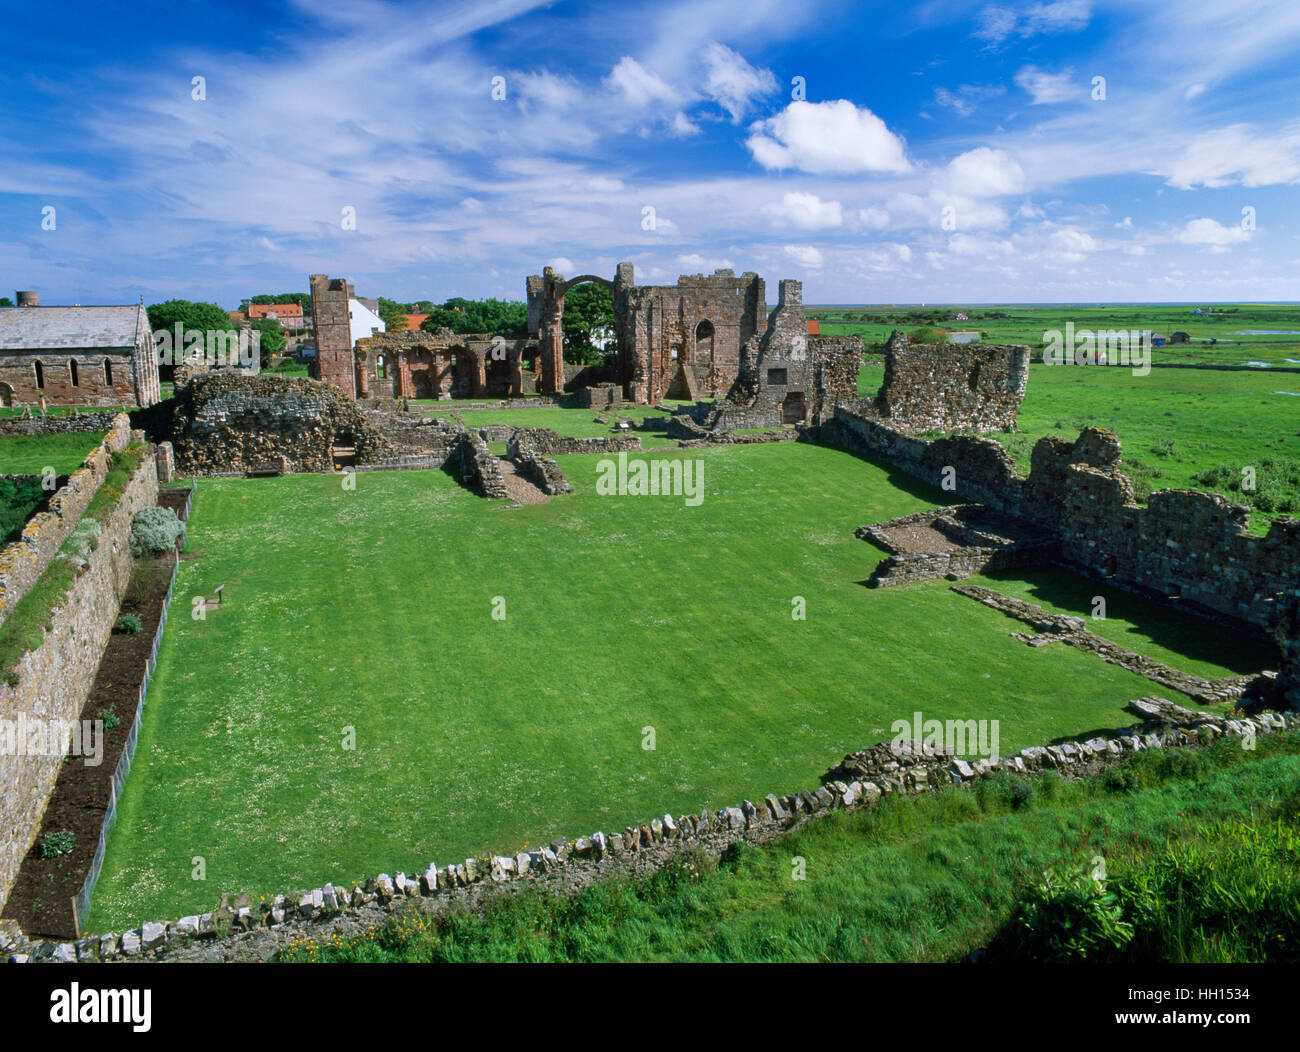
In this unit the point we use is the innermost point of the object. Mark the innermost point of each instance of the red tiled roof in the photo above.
(275, 310)
(412, 322)
(814, 328)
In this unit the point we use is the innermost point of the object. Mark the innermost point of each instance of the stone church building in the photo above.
(76, 356)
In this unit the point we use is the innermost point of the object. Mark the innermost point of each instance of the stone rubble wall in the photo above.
(229, 424)
(54, 680)
(479, 467)
(952, 387)
(23, 561)
(541, 470)
(1186, 544)
(547, 443)
(58, 425)
(242, 931)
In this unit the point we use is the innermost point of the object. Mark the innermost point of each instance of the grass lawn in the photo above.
(372, 610)
(31, 454)
(577, 423)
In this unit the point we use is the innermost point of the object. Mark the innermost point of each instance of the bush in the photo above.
(154, 531)
(57, 843)
(128, 623)
(1067, 916)
(109, 717)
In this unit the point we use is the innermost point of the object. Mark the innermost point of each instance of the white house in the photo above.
(363, 321)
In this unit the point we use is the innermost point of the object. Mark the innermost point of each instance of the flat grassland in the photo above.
(1246, 333)
(354, 707)
(32, 454)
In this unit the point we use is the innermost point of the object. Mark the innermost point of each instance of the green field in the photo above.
(371, 610)
(32, 454)
(1265, 333)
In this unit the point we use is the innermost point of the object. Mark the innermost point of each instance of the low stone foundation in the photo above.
(953, 542)
(1073, 631)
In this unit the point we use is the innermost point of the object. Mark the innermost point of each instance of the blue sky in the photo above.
(941, 152)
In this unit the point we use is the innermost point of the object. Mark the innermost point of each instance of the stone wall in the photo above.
(548, 443)
(24, 560)
(541, 470)
(952, 387)
(58, 425)
(229, 424)
(54, 680)
(478, 466)
(859, 781)
(1183, 544)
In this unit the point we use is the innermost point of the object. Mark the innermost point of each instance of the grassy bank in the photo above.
(1198, 848)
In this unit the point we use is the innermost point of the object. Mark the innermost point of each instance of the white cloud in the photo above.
(804, 255)
(1193, 90)
(984, 172)
(966, 245)
(1237, 154)
(873, 218)
(682, 126)
(833, 138)
(1125, 224)
(1045, 88)
(704, 264)
(638, 86)
(805, 212)
(732, 82)
(1210, 232)
(995, 24)
(964, 100)
(562, 265)
(1071, 243)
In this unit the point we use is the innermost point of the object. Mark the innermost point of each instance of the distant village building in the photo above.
(91, 356)
(963, 337)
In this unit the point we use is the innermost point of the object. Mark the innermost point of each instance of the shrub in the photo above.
(57, 843)
(128, 623)
(109, 717)
(154, 531)
(1067, 916)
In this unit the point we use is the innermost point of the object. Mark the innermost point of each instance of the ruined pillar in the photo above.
(479, 380)
(363, 375)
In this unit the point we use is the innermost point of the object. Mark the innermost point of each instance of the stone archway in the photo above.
(6, 395)
(546, 301)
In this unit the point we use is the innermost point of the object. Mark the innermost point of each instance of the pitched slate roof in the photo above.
(70, 328)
